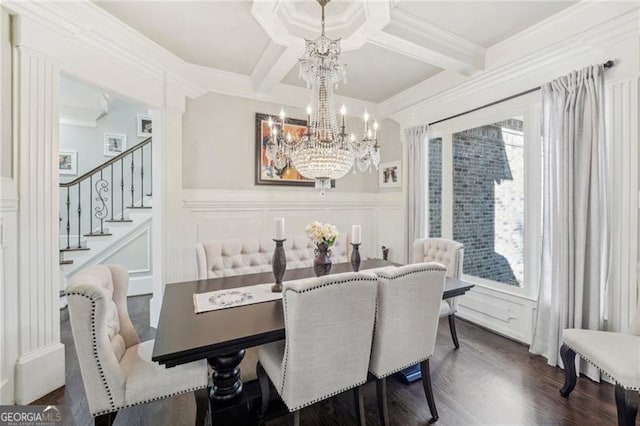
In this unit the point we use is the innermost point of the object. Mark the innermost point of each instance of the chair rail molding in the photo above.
(40, 365)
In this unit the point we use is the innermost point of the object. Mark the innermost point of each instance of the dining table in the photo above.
(222, 336)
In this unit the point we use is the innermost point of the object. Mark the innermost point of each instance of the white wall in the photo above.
(89, 141)
(219, 145)
(221, 200)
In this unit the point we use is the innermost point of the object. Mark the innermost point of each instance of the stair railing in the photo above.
(101, 185)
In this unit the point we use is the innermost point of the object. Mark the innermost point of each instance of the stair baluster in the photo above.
(112, 191)
(79, 216)
(132, 180)
(68, 203)
(90, 205)
(142, 177)
(122, 190)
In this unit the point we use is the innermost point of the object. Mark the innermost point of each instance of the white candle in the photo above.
(279, 221)
(356, 234)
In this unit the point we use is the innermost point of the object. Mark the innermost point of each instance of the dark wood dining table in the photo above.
(221, 336)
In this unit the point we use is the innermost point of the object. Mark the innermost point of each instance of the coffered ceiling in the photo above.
(389, 45)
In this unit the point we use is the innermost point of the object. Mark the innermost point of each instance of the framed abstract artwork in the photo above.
(272, 169)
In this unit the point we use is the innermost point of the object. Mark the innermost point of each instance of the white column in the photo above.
(167, 233)
(40, 364)
(622, 100)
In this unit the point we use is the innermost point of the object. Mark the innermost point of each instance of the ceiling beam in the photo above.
(274, 64)
(431, 43)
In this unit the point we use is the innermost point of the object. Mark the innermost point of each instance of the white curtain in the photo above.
(417, 186)
(575, 241)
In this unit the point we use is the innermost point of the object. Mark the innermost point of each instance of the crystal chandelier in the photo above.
(326, 151)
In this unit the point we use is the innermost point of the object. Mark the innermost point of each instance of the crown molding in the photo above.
(530, 69)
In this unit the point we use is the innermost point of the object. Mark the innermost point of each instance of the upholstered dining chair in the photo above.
(449, 253)
(617, 355)
(116, 367)
(234, 256)
(406, 326)
(328, 323)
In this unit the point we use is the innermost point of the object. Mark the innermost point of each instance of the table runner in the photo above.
(232, 297)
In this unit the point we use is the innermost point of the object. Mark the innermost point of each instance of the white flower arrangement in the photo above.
(322, 233)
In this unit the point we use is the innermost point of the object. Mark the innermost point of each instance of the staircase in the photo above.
(105, 209)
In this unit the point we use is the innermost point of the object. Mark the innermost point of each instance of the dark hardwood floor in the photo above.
(489, 380)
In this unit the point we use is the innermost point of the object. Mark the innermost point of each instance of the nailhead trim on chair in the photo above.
(101, 371)
(286, 354)
(383, 274)
(95, 347)
(401, 368)
(601, 370)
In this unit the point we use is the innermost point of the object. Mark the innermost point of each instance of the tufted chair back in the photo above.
(409, 298)
(222, 258)
(447, 252)
(102, 331)
(331, 352)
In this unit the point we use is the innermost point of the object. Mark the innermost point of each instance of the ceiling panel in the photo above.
(221, 35)
(483, 22)
(375, 74)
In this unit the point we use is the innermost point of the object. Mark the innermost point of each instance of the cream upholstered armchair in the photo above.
(406, 326)
(615, 354)
(449, 253)
(328, 323)
(116, 367)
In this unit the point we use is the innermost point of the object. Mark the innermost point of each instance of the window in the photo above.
(485, 191)
(435, 188)
(488, 200)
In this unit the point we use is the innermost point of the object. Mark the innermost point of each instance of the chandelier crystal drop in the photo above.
(326, 151)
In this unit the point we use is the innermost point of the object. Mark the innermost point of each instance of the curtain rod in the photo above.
(606, 65)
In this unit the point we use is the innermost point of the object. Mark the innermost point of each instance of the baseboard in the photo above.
(140, 285)
(39, 372)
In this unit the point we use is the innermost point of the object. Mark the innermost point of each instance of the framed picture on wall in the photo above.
(68, 162)
(144, 126)
(114, 144)
(390, 175)
(271, 169)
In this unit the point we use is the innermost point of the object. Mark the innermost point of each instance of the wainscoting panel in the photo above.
(505, 313)
(216, 214)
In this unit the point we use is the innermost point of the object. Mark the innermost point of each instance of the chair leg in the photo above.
(202, 406)
(452, 328)
(569, 361)
(428, 391)
(105, 419)
(627, 404)
(359, 406)
(296, 418)
(381, 393)
(263, 380)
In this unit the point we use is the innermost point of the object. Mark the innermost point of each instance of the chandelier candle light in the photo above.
(326, 151)
(279, 261)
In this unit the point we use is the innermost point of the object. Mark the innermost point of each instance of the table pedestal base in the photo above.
(227, 385)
